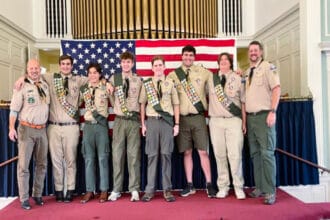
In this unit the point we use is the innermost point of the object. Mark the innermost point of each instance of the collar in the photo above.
(130, 75)
(98, 85)
(155, 79)
(63, 76)
(222, 73)
(258, 63)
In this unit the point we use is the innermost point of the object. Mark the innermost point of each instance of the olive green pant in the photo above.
(96, 140)
(262, 141)
(126, 138)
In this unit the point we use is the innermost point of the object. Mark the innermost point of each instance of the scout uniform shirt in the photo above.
(234, 90)
(132, 100)
(31, 107)
(101, 100)
(198, 77)
(259, 92)
(168, 99)
(56, 112)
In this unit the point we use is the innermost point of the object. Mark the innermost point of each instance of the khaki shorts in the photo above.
(193, 133)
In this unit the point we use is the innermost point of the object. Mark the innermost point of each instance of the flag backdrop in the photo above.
(107, 52)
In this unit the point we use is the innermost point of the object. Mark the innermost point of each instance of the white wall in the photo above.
(19, 12)
(267, 11)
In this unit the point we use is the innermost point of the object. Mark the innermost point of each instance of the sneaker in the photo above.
(168, 196)
(239, 193)
(189, 190)
(26, 205)
(147, 197)
(135, 196)
(256, 193)
(211, 192)
(270, 199)
(114, 196)
(223, 193)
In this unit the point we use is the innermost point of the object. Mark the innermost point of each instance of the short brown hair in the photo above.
(157, 57)
(229, 57)
(127, 56)
(65, 57)
(255, 42)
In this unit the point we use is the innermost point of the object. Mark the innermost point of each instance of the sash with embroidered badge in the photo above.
(119, 92)
(223, 99)
(60, 94)
(155, 102)
(190, 90)
(90, 106)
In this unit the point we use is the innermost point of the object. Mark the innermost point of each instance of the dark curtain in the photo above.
(295, 134)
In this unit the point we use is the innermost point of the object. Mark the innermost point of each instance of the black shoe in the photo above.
(38, 200)
(188, 190)
(69, 196)
(26, 205)
(59, 196)
(211, 192)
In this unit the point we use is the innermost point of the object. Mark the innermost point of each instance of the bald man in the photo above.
(31, 105)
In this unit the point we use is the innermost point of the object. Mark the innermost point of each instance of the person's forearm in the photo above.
(276, 92)
(176, 114)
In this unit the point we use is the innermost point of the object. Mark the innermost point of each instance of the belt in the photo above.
(258, 113)
(155, 117)
(123, 117)
(27, 124)
(91, 122)
(63, 123)
(191, 115)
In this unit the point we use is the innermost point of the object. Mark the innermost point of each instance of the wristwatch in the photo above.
(273, 110)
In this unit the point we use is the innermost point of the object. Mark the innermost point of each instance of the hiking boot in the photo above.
(147, 197)
(103, 197)
(88, 196)
(168, 196)
(114, 196)
(256, 193)
(211, 192)
(189, 190)
(270, 199)
(69, 196)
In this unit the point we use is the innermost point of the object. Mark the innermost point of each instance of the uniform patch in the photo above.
(31, 100)
(273, 68)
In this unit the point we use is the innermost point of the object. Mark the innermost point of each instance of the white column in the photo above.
(310, 33)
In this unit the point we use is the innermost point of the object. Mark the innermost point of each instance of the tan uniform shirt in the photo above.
(31, 107)
(101, 101)
(234, 90)
(198, 77)
(56, 112)
(132, 100)
(258, 94)
(169, 97)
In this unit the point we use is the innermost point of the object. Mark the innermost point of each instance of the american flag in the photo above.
(107, 53)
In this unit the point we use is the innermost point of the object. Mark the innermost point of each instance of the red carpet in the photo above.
(196, 206)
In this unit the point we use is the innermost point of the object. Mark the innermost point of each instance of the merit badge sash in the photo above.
(229, 105)
(154, 101)
(119, 92)
(190, 90)
(60, 94)
(90, 106)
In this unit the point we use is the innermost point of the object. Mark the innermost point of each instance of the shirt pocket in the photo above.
(259, 80)
(32, 98)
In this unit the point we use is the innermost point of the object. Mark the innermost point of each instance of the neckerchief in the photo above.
(223, 99)
(60, 94)
(189, 90)
(41, 92)
(154, 101)
(119, 92)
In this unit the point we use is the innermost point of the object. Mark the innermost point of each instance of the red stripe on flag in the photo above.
(148, 73)
(182, 43)
(176, 57)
